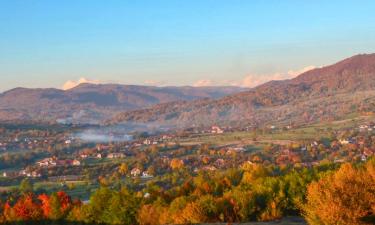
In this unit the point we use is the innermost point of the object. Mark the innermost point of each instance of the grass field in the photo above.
(278, 136)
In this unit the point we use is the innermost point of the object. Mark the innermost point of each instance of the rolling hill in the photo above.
(89, 103)
(326, 93)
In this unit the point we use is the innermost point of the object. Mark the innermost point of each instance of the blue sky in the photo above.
(46, 43)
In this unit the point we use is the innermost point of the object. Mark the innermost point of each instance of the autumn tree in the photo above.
(123, 169)
(26, 186)
(344, 197)
(176, 164)
(26, 208)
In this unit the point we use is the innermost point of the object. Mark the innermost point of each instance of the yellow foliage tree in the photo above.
(177, 164)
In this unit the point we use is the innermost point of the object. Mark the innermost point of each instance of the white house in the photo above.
(216, 130)
(135, 172)
(76, 162)
(344, 141)
(146, 175)
(147, 142)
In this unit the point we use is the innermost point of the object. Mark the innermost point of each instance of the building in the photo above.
(216, 130)
(147, 142)
(116, 155)
(135, 172)
(76, 162)
(344, 141)
(47, 162)
(146, 175)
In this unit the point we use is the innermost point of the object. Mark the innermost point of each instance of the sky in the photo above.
(46, 43)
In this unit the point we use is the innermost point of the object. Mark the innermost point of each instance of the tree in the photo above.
(177, 164)
(111, 207)
(27, 209)
(46, 208)
(123, 169)
(344, 197)
(26, 186)
(150, 214)
(55, 207)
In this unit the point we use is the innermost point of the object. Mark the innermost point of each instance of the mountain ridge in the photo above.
(98, 101)
(351, 76)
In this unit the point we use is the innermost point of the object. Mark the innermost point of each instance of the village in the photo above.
(155, 155)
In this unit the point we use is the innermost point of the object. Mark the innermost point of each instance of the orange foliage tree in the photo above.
(344, 197)
(27, 209)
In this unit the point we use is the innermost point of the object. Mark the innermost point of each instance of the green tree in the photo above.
(55, 207)
(26, 186)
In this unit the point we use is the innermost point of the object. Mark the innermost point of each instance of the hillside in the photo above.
(325, 93)
(91, 102)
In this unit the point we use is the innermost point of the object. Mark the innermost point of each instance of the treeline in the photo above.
(323, 195)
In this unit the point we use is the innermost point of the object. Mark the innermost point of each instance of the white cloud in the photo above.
(203, 83)
(294, 73)
(71, 84)
(154, 83)
(253, 80)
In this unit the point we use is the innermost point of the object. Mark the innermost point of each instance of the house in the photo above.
(344, 141)
(239, 149)
(23, 173)
(116, 155)
(47, 162)
(33, 174)
(99, 156)
(146, 175)
(216, 130)
(135, 172)
(84, 156)
(147, 142)
(76, 162)
(9, 174)
(68, 142)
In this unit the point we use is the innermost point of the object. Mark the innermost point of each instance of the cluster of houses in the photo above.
(22, 173)
(367, 127)
(136, 172)
(52, 162)
(15, 139)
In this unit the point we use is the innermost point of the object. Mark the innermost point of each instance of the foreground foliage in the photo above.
(344, 197)
(322, 194)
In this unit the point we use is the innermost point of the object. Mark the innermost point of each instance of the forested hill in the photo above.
(325, 93)
(95, 102)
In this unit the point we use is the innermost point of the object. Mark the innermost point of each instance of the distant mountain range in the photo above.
(92, 103)
(327, 93)
(321, 94)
